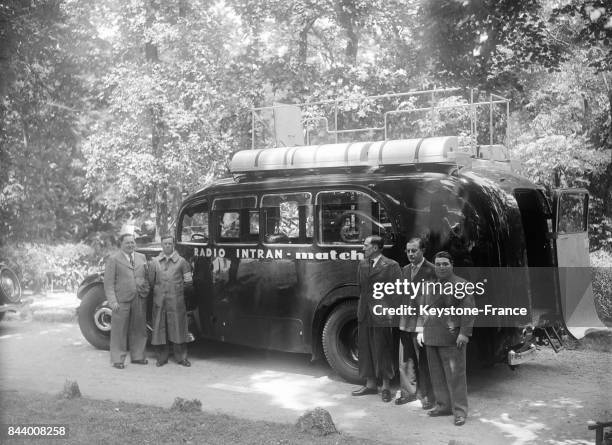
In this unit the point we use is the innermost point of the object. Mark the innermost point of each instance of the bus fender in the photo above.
(89, 282)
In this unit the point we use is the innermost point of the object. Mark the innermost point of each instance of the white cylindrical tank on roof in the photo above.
(348, 155)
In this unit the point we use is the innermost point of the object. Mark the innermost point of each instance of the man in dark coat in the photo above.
(446, 339)
(168, 274)
(375, 337)
(413, 369)
(126, 289)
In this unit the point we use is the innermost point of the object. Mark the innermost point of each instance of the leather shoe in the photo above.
(404, 399)
(459, 421)
(386, 395)
(438, 413)
(364, 391)
(144, 361)
(160, 363)
(185, 363)
(118, 365)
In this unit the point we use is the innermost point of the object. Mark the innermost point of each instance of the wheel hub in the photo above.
(102, 318)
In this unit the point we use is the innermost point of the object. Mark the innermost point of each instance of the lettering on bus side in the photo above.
(278, 254)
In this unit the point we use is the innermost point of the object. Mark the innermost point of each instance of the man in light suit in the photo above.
(375, 337)
(413, 369)
(446, 338)
(126, 288)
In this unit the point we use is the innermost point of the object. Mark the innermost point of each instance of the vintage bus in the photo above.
(274, 248)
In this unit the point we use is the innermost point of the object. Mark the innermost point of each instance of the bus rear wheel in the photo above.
(340, 341)
(95, 318)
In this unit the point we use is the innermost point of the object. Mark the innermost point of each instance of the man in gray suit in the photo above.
(375, 337)
(126, 288)
(446, 338)
(413, 369)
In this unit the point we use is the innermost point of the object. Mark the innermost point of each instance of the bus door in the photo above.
(287, 228)
(193, 241)
(235, 232)
(572, 251)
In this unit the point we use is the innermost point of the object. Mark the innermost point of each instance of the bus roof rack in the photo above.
(477, 116)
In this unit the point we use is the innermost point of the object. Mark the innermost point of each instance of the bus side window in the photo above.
(236, 219)
(194, 224)
(229, 225)
(287, 218)
(348, 217)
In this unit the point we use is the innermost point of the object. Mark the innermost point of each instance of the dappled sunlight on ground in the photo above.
(356, 414)
(569, 442)
(295, 391)
(519, 433)
(13, 336)
(559, 402)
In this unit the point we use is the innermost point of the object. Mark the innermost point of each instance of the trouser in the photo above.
(129, 331)
(413, 368)
(375, 352)
(179, 350)
(448, 378)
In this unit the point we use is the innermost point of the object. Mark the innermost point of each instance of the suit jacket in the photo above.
(426, 273)
(444, 330)
(385, 270)
(122, 282)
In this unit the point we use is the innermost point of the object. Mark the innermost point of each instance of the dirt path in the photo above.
(549, 401)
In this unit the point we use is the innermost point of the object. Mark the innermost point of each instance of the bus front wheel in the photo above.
(95, 318)
(340, 341)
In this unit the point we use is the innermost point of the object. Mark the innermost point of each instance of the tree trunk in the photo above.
(156, 117)
(161, 210)
(608, 188)
(161, 189)
(303, 45)
(345, 19)
(610, 127)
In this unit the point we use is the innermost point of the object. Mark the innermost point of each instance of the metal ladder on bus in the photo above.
(552, 335)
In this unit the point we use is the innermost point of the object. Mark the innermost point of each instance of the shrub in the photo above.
(71, 390)
(42, 265)
(185, 405)
(601, 262)
(600, 234)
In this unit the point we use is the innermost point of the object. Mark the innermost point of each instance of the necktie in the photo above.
(413, 272)
(132, 259)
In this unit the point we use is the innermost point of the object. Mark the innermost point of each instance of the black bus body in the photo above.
(275, 248)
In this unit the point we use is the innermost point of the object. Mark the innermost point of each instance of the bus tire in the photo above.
(95, 318)
(10, 286)
(340, 341)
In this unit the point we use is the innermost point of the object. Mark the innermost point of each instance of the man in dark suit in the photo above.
(126, 288)
(414, 371)
(375, 336)
(446, 339)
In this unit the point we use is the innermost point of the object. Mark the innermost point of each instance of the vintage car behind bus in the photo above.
(274, 248)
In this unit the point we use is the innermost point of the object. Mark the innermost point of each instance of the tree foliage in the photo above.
(487, 43)
(112, 110)
(41, 174)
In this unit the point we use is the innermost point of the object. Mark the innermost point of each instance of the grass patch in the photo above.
(100, 421)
